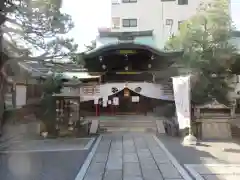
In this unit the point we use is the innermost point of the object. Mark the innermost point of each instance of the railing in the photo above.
(90, 90)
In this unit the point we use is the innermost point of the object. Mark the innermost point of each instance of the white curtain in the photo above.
(150, 90)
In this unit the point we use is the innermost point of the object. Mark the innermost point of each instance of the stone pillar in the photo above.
(197, 113)
(233, 114)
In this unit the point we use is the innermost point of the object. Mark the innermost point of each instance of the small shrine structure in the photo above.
(214, 120)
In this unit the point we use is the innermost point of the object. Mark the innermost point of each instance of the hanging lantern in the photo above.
(126, 92)
(100, 58)
(104, 66)
(126, 57)
(152, 57)
(149, 66)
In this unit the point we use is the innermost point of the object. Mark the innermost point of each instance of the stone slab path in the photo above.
(131, 157)
(46, 145)
(214, 171)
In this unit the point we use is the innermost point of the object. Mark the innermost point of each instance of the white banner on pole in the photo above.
(181, 88)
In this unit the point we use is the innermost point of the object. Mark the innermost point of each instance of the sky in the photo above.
(89, 15)
(235, 7)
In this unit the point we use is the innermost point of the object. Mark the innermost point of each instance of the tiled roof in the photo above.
(43, 69)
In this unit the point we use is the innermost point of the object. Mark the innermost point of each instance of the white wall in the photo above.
(171, 10)
(150, 90)
(148, 15)
(106, 40)
(152, 15)
(146, 40)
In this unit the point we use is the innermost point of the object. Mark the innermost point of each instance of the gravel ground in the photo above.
(209, 152)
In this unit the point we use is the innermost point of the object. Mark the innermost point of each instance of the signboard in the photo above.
(135, 98)
(127, 72)
(181, 88)
(104, 103)
(96, 101)
(127, 52)
(115, 101)
(105, 98)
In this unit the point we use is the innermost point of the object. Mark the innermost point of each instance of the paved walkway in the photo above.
(46, 145)
(131, 157)
(214, 171)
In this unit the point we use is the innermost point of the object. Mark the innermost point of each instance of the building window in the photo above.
(169, 22)
(182, 2)
(129, 1)
(129, 22)
(180, 23)
(115, 22)
(114, 2)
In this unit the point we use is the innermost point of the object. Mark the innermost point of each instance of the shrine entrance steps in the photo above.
(128, 123)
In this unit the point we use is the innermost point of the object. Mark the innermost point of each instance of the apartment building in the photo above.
(162, 17)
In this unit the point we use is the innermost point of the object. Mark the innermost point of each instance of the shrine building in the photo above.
(130, 80)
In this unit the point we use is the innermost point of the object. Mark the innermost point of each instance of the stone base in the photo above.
(94, 127)
(216, 129)
(189, 140)
(160, 127)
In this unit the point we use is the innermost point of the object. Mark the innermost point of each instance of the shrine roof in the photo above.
(213, 105)
(130, 46)
(67, 70)
(120, 34)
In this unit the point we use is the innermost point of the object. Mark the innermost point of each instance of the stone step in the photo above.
(128, 123)
(128, 126)
(128, 129)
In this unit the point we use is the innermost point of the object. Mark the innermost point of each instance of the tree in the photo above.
(78, 59)
(32, 30)
(37, 26)
(208, 53)
(93, 45)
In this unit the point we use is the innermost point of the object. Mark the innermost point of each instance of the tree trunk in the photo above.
(2, 105)
(3, 83)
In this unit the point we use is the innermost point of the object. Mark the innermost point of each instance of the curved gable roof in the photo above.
(99, 51)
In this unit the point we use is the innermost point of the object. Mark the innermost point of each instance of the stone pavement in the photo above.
(46, 145)
(50, 159)
(214, 171)
(131, 157)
